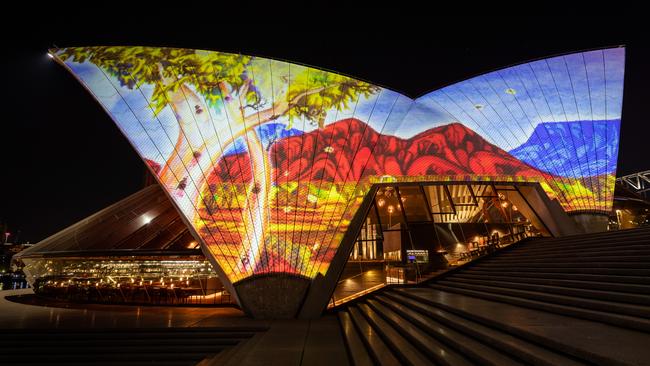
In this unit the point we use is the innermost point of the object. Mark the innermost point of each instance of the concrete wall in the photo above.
(274, 296)
(550, 214)
(591, 222)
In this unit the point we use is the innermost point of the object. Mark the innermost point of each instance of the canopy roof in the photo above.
(145, 223)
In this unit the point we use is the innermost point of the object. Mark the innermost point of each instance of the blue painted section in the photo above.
(572, 149)
(268, 133)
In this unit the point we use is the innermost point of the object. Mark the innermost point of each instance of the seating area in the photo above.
(574, 300)
(154, 293)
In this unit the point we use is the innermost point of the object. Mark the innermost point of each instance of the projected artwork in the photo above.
(269, 161)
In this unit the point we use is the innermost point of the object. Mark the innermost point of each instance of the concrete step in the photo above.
(610, 250)
(638, 280)
(187, 358)
(592, 341)
(439, 353)
(543, 280)
(167, 346)
(551, 301)
(605, 295)
(10, 343)
(594, 304)
(621, 255)
(639, 272)
(112, 337)
(516, 346)
(356, 349)
(470, 347)
(108, 349)
(537, 246)
(378, 350)
(573, 263)
(621, 234)
(406, 351)
(620, 320)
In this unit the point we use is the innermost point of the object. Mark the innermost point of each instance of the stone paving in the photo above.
(286, 342)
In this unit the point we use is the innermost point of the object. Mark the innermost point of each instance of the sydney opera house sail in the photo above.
(269, 161)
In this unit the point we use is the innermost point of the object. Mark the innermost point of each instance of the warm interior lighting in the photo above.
(146, 219)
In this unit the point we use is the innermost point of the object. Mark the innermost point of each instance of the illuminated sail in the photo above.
(269, 161)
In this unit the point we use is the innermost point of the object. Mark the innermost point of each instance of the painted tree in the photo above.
(191, 82)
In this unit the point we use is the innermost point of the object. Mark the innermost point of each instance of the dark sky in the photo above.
(63, 158)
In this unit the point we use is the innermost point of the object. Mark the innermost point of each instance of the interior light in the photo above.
(50, 55)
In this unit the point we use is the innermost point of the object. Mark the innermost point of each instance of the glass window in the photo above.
(414, 204)
(462, 195)
(390, 211)
(439, 199)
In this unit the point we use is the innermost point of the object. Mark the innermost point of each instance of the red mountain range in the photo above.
(346, 150)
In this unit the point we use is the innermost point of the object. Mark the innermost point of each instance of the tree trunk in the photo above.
(188, 167)
(255, 211)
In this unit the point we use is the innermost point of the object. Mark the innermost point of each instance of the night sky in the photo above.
(64, 159)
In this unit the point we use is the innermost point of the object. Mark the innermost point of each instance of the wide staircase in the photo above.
(574, 300)
(156, 346)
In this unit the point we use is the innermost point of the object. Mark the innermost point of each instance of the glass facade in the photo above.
(133, 280)
(413, 231)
